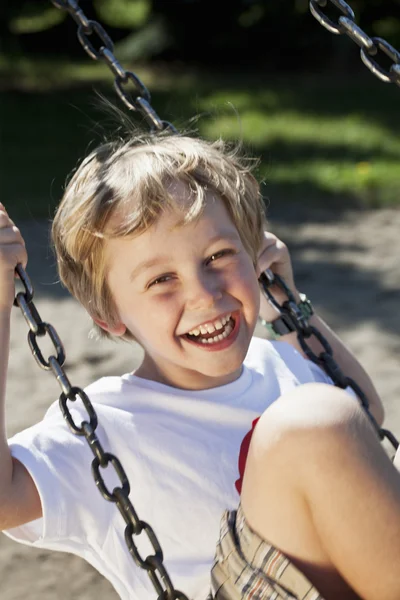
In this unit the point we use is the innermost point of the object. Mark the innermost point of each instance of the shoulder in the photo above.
(261, 350)
(280, 356)
(106, 391)
(106, 387)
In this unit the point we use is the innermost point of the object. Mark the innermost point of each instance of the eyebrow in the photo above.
(147, 264)
(157, 260)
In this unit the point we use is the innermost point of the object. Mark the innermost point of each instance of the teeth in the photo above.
(219, 337)
(210, 327)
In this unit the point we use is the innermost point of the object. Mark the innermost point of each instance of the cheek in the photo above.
(250, 292)
(154, 317)
(246, 278)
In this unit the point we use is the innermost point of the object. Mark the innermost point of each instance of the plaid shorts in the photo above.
(248, 568)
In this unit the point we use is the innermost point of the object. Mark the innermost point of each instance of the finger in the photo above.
(269, 239)
(21, 258)
(11, 235)
(5, 220)
(267, 260)
(273, 254)
(11, 255)
(3, 209)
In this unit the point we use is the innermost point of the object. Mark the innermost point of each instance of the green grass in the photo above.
(117, 13)
(327, 141)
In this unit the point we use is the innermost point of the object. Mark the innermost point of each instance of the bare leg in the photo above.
(320, 488)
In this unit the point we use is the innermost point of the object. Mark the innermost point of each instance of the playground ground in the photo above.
(347, 263)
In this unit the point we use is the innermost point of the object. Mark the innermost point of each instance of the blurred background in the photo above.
(264, 72)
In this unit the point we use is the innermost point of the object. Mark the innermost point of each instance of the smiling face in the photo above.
(189, 295)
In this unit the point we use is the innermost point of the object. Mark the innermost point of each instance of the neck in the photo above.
(182, 378)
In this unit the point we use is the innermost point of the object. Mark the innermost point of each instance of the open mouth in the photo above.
(214, 337)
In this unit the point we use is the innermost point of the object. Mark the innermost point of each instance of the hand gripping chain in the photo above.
(291, 313)
(369, 47)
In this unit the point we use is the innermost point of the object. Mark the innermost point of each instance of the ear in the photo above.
(118, 329)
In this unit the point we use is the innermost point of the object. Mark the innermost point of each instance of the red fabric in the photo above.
(244, 450)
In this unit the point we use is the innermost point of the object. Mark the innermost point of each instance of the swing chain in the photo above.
(369, 47)
(299, 323)
(153, 563)
(138, 99)
(141, 103)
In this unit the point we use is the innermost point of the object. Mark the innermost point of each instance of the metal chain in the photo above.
(369, 46)
(141, 102)
(90, 33)
(131, 90)
(292, 315)
(153, 563)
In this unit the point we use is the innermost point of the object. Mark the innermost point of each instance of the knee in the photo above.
(305, 435)
(299, 418)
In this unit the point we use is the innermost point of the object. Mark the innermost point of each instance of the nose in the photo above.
(203, 291)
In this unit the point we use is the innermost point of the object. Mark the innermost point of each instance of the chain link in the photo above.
(34, 346)
(138, 99)
(299, 323)
(369, 47)
(153, 563)
(93, 27)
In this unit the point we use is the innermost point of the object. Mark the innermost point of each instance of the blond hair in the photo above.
(137, 173)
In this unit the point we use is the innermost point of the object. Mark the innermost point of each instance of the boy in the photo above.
(162, 240)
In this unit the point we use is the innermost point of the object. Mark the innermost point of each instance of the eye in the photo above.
(161, 279)
(220, 254)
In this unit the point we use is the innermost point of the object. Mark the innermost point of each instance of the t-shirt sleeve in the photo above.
(59, 463)
(306, 370)
(318, 374)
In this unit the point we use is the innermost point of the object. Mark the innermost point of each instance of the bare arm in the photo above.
(276, 256)
(6, 466)
(19, 499)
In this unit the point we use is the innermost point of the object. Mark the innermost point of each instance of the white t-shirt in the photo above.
(180, 450)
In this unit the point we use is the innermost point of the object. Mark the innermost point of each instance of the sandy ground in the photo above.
(348, 264)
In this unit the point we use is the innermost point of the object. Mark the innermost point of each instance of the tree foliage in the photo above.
(241, 32)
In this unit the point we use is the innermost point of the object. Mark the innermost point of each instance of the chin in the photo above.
(229, 371)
